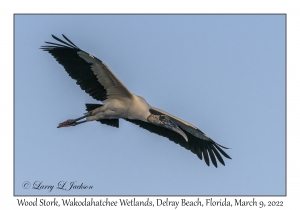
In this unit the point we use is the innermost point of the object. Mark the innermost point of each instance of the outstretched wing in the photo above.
(91, 74)
(198, 143)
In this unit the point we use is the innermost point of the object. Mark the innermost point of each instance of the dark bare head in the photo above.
(165, 121)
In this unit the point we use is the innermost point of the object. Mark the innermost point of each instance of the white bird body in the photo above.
(114, 108)
(94, 76)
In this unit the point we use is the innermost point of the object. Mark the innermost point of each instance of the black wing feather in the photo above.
(205, 155)
(199, 153)
(218, 155)
(212, 156)
(76, 67)
(59, 45)
(202, 148)
(220, 150)
(69, 41)
(62, 41)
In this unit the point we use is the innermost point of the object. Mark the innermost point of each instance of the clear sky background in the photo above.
(223, 73)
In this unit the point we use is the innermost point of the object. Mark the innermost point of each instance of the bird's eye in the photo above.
(162, 117)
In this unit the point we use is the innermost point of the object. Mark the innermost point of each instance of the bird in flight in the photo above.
(96, 79)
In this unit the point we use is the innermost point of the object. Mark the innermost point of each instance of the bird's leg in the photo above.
(74, 122)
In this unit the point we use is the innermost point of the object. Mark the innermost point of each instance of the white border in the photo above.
(8, 8)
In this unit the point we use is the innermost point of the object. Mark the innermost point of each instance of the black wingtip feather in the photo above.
(78, 69)
(199, 153)
(70, 41)
(58, 39)
(206, 158)
(223, 153)
(219, 157)
(221, 145)
(212, 156)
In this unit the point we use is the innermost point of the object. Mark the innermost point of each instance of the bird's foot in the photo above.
(67, 123)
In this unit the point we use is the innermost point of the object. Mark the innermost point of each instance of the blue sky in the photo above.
(223, 73)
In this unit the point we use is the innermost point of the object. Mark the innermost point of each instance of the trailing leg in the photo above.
(74, 122)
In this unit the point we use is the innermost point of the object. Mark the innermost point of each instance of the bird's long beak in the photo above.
(165, 121)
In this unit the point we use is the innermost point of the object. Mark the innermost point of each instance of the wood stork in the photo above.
(96, 79)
